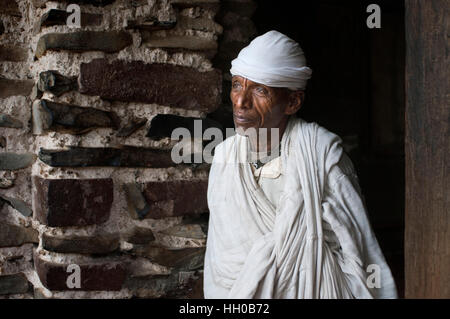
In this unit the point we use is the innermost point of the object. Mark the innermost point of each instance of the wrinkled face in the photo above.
(258, 106)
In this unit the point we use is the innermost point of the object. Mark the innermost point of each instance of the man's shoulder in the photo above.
(224, 148)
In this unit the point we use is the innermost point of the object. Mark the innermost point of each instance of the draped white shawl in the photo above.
(316, 244)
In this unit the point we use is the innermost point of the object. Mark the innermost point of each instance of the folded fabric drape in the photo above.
(317, 243)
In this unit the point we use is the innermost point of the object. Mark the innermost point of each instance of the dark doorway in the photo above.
(357, 91)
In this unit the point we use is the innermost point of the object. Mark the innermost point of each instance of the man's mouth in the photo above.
(241, 119)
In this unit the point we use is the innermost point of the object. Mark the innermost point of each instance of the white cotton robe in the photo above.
(317, 243)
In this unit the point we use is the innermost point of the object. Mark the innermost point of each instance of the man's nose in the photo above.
(243, 100)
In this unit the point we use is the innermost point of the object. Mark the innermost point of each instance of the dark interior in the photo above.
(357, 91)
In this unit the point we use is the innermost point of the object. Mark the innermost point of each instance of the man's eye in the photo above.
(236, 85)
(260, 90)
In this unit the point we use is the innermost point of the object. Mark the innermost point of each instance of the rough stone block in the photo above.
(163, 84)
(13, 235)
(10, 87)
(18, 205)
(193, 231)
(55, 83)
(176, 198)
(137, 205)
(95, 244)
(106, 276)
(107, 41)
(139, 235)
(72, 202)
(131, 127)
(13, 284)
(180, 259)
(13, 54)
(127, 156)
(8, 121)
(14, 161)
(162, 125)
(190, 42)
(60, 117)
(150, 25)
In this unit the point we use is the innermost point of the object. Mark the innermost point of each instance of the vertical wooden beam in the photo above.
(427, 147)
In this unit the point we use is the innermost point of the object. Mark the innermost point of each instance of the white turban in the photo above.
(274, 60)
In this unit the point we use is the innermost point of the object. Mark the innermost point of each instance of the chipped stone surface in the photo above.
(74, 119)
(13, 284)
(11, 87)
(109, 42)
(162, 84)
(108, 276)
(70, 202)
(95, 244)
(176, 198)
(14, 235)
(195, 21)
(13, 161)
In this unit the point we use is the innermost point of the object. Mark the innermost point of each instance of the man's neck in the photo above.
(263, 142)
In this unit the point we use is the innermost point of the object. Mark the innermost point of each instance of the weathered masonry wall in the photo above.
(85, 178)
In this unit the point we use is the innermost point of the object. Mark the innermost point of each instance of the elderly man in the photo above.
(286, 216)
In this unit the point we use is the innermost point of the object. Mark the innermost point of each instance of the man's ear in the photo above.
(295, 101)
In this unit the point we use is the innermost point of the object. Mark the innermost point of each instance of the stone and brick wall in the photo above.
(85, 178)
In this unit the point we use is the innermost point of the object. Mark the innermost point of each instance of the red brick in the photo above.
(106, 276)
(176, 198)
(163, 84)
(72, 202)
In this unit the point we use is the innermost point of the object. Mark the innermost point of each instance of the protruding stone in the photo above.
(72, 202)
(13, 284)
(127, 156)
(18, 205)
(10, 7)
(181, 259)
(59, 17)
(130, 128)
(176, 198)
(139, 235)
(94, 244)
(13, 54)
(193, 231)
(14, 161)
(162, 125)
(103, 276)
(8, 121)
(55, 83)
(163, 84)
(13, 235)
(42, 117)
(190, 42)
(138, 208)
(152, 286)
(35, 93)
(151, 25)
(106, 41)
(10, 87)
(60, 117)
